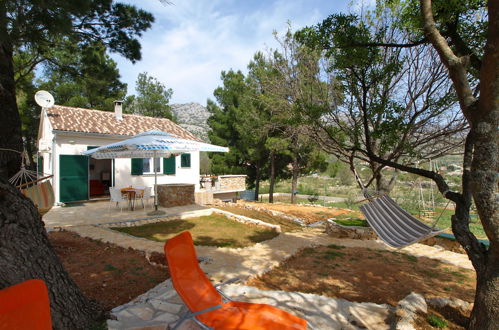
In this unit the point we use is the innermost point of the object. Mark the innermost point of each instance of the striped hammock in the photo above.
(42, 196)
(394, 225)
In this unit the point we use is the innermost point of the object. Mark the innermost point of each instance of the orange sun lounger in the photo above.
(208, 307)
(25, 306)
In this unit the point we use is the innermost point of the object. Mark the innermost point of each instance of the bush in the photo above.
(350, 201)
(345, 176)
(314, 198)
(436, 321)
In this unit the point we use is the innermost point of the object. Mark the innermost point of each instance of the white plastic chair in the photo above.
(116, 197)
(146, 196)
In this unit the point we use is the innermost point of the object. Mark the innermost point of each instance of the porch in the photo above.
(98, 212)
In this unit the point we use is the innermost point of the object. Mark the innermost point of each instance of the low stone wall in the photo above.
(299, 221)
(231, 182)
(170, 195)
(339, 231)
(204, 197)
(247, 220)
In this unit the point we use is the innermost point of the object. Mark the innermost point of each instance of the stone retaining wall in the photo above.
(247, 220)
(232, 182)
(170, 195)
(339, 231)
(299, 221)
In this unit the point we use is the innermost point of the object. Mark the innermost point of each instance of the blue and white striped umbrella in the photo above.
(149, 144)
(152, 144)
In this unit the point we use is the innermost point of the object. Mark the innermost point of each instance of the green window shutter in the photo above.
(40, 165)
(185, 160)
(137, 166)
(169, 165)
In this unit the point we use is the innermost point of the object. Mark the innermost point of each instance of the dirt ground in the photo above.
(310, 214)
(364, 275)
(105, 272)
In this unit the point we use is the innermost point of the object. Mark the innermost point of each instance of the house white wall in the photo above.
(45, 142)
(72, 143)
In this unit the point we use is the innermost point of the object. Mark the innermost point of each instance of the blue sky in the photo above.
(192, 41)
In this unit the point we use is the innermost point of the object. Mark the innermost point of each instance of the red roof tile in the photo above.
(72, 119)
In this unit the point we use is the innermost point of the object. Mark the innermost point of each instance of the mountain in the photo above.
(193, 117)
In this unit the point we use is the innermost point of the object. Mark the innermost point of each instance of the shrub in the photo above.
(436, 321)
(314, 198)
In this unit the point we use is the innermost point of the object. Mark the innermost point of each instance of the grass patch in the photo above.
(410, 258)
(213, 230)
(308, 251)
(109, 268)
(352, 222)
(436, 321)
(331, 255)
(334, 246)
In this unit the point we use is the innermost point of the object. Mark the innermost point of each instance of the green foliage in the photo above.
(43, 27)
(86, 78)
(436, 321)
(352, 222)
(345, 176)
(464, 22)
(336, 247)
(152, 98)
(69, 40)
(387, 105)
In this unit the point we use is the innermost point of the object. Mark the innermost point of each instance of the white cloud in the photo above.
(191, 42)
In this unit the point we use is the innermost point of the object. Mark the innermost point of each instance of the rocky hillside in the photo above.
(193, 117)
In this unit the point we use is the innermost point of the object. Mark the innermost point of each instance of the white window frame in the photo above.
(160, 171)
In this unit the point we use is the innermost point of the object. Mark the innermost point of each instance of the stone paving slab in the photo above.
(161, 307)
(91, 213)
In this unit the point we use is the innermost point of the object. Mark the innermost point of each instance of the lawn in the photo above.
(213, 230)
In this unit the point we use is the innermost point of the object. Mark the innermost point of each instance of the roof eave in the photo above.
(90, 134)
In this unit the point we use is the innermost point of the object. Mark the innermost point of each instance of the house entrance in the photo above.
(99, 177)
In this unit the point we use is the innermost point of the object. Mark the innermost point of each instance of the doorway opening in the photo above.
(100, 178)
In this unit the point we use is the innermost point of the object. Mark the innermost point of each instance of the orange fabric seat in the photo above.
(25, 306)
(197, 292)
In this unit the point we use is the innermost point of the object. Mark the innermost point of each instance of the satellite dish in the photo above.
(44, 99)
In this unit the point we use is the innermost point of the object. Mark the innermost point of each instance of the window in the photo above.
(147, 165)
(185, 160)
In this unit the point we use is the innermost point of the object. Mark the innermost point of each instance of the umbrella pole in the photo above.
(156, 211)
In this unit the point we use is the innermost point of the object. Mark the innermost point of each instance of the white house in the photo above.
(65, 132)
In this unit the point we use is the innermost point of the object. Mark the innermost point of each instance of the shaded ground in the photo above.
(213, 230)
(452, 319)
(364, 275)
(310, 214)
(105, 272)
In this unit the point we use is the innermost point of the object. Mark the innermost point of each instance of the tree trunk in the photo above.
(272, 177)
(10, 125)
(26, 253)
(385, 185)
(485, 311)
(258, 176)
(483, 115)
(294, 181)
(484, 178)
(30, 152)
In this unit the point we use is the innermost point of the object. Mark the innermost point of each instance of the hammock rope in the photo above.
(31, 185)
(395, 226)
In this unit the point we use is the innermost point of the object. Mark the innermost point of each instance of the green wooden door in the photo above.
(73, 178)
